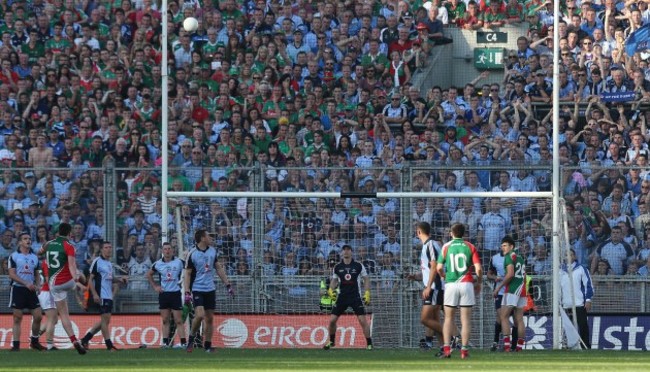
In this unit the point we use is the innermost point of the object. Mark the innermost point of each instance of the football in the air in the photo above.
(190, 24)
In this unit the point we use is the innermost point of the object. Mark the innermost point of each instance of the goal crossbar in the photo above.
(332, 195)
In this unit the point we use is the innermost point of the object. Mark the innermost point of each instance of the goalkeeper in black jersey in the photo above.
(347, 273)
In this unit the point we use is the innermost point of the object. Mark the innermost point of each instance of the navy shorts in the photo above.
(170, 300)
(103, 307)
(22, 298)
(106, 307)
(497, 301)
(436, 298)
(342, 304)
(206, 299)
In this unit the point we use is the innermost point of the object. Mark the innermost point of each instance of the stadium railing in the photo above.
(395, 299)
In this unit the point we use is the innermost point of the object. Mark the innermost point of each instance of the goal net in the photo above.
(568, 254)
(278, 252)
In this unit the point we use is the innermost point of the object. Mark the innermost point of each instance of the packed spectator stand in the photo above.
(318, 95)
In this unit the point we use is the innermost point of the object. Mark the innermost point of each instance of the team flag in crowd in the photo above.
(617, 96)
(638, 41)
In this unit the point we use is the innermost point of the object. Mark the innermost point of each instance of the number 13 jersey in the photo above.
(56, 256)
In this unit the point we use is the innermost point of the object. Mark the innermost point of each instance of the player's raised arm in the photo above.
(41, 251)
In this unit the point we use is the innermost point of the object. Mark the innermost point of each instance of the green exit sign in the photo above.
(488, 58)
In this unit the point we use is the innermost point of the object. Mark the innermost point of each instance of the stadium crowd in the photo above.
(318, 95)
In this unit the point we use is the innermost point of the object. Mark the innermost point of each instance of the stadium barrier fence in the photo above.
(395, 299)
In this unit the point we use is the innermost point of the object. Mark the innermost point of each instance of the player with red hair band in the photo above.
(61, 276)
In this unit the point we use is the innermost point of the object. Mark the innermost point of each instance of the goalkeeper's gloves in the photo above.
(187, 300)
(331, 294)
(366, 298)
(231, 291)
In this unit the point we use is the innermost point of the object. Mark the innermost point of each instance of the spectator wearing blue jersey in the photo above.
(138, 267)
(199, 286)
(169, 269)
(616, 251)
(6, 247)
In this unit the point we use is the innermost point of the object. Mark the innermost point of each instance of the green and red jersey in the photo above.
(517, 284)
(57, 252)
(458, 257)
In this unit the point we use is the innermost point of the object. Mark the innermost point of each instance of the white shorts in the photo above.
(60, 292)
(459, 294)
(46, 300)
(512, 300)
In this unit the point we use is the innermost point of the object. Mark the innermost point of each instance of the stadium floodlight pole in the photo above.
(557, 328)
(165, 121)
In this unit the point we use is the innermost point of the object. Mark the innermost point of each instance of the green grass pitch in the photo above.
(318, 360)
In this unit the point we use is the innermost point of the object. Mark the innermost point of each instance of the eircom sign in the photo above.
(236, 331)
(251, 331)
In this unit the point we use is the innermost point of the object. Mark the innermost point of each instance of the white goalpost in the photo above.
(557, 334)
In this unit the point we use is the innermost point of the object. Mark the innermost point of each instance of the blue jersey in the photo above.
(202, 265)
(496, 266)
(103, 271)
(170, 273)
(25, 265)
